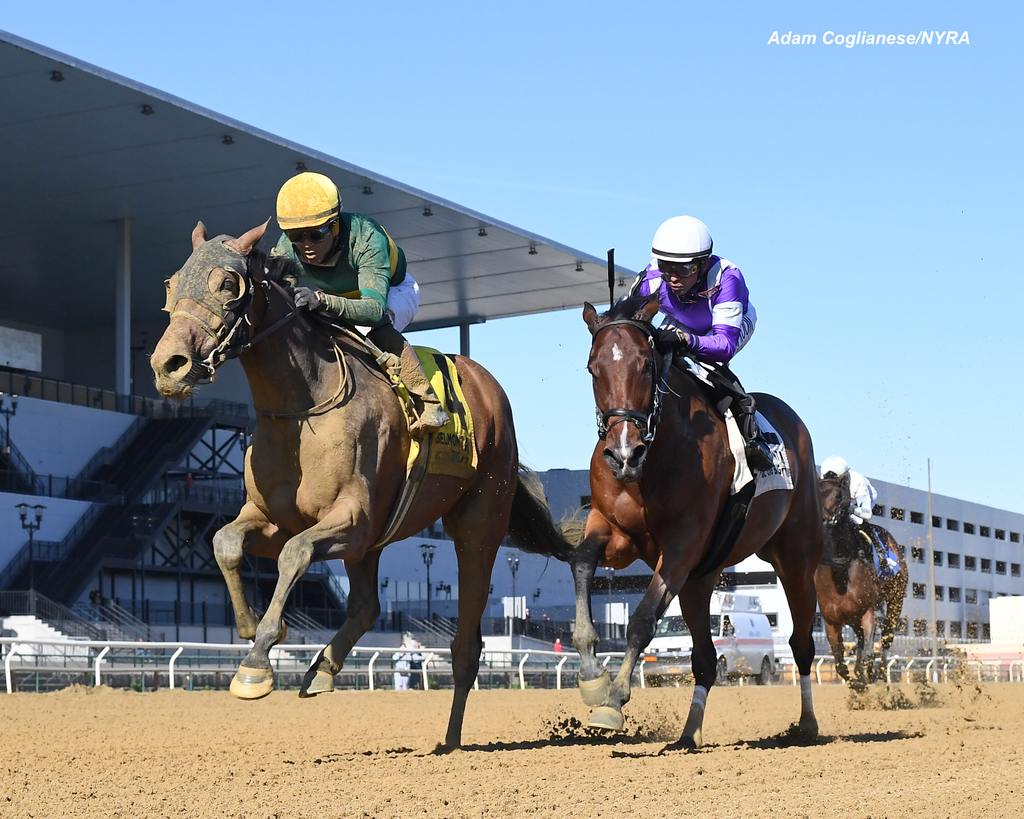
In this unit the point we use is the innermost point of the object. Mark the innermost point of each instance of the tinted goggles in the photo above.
(310, 235)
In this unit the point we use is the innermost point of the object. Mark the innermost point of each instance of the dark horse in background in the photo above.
(328, 459)
(850, 590)
(660, 477)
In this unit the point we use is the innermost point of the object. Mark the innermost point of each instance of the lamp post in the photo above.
(427, 551)
(9, 408)
(513, 566)
(31, 526)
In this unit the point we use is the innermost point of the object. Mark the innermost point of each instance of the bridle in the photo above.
(646, 422)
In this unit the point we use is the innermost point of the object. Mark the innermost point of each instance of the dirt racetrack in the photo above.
(945, 751)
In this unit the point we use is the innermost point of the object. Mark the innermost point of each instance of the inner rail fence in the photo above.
(46, 665)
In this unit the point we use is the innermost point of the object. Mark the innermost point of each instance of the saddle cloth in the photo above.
(887, 563)
(780, 476)
(452, 449)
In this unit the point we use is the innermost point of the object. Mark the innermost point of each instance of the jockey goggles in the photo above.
(315, 234)
(680, 270)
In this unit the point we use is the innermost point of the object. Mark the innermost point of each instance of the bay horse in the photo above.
(660, 476)
(328, 459)
(849, 589)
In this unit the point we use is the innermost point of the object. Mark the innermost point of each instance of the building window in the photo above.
(896, 513)
(970, 562)
(968, 528)
(918, 591)
(1014, 537)
(903, 550)
(940, 628)
(972, 630)
(1015, 570)
(986, 631)
(986, 532)
(986, 565)
(955, 628)
(819, 624)
(585, 501)
(954, 594)
(1000, 534)
(940, 593)
(920, 627)
(878, 510)
(916, 517)
(937, 557)
(1000, 567)
(971, 597)
(952, 525)
(953, 560)
(936, 521)
(917, 554)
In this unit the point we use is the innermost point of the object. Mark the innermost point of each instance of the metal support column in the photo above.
(123, 310)
(464, 340)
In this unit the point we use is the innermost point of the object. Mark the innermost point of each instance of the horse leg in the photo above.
(594, 680)
(477, 526)
(250, 531)
(639, 632)
(695, 600)
(345, 522)
(798, 583)
(866, 644)
(895, 589)
(834, 634)
(363, 610)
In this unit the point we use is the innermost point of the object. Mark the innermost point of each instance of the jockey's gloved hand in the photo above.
(307, 298)
(671, 339)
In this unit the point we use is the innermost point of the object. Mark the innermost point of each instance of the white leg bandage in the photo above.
(695, 720)
(806, 703)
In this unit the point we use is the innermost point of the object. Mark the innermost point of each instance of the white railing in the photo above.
(74, 656)
(935, 669)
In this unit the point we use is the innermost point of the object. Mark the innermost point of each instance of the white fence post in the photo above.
(817, 669)
(558, 673)
(643, 680)
(792, 671)
(906, 669)
(170, 665)
(99, 659)
(427, 661)
(607, 660)
(928, 670)
(7, 669)
(888, 671)
(369, 669)
(522, 678)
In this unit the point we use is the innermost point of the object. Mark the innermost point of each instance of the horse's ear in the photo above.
(649, 309)
(248, 240)
(590, 315)
(198, 235)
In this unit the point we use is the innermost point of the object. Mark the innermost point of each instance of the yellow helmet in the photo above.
(307, 200)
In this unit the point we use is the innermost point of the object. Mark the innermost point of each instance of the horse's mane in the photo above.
(626, 308)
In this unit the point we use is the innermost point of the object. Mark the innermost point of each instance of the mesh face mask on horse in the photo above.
(660, 478)
(328, 462)
(849, 587)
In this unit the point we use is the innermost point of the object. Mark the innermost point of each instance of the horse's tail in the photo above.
(531, 527)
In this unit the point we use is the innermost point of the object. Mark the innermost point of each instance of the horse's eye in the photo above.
(228, 284)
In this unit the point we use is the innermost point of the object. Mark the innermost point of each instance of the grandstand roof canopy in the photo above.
(84, 148)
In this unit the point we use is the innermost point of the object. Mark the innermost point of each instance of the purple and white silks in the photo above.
(718, 315)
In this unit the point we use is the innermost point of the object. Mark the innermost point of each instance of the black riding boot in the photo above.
(759, 454)
(415, 379)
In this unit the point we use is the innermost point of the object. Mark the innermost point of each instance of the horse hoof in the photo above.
(685, 743)
(252, 683)
(316, 681)
(595, 692)
(606, 718)
(807, 728)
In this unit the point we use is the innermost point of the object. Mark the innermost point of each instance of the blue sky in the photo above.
(870, 195)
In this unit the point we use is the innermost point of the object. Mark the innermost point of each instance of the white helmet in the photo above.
(681, 239)
(834, 465)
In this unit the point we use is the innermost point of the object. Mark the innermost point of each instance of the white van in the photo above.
(739, 629)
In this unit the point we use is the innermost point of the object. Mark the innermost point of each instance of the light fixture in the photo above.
(146, 109)
(56, 76)
(481, 231)
(579, 266)
(427, 211)
(533, 249)
(300, 167)
(227, 139)
(367, 190)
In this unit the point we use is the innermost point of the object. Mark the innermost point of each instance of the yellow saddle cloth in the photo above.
(452, 448)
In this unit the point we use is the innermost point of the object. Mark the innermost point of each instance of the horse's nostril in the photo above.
(175, 363)
(637, 456)
(611, 459)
